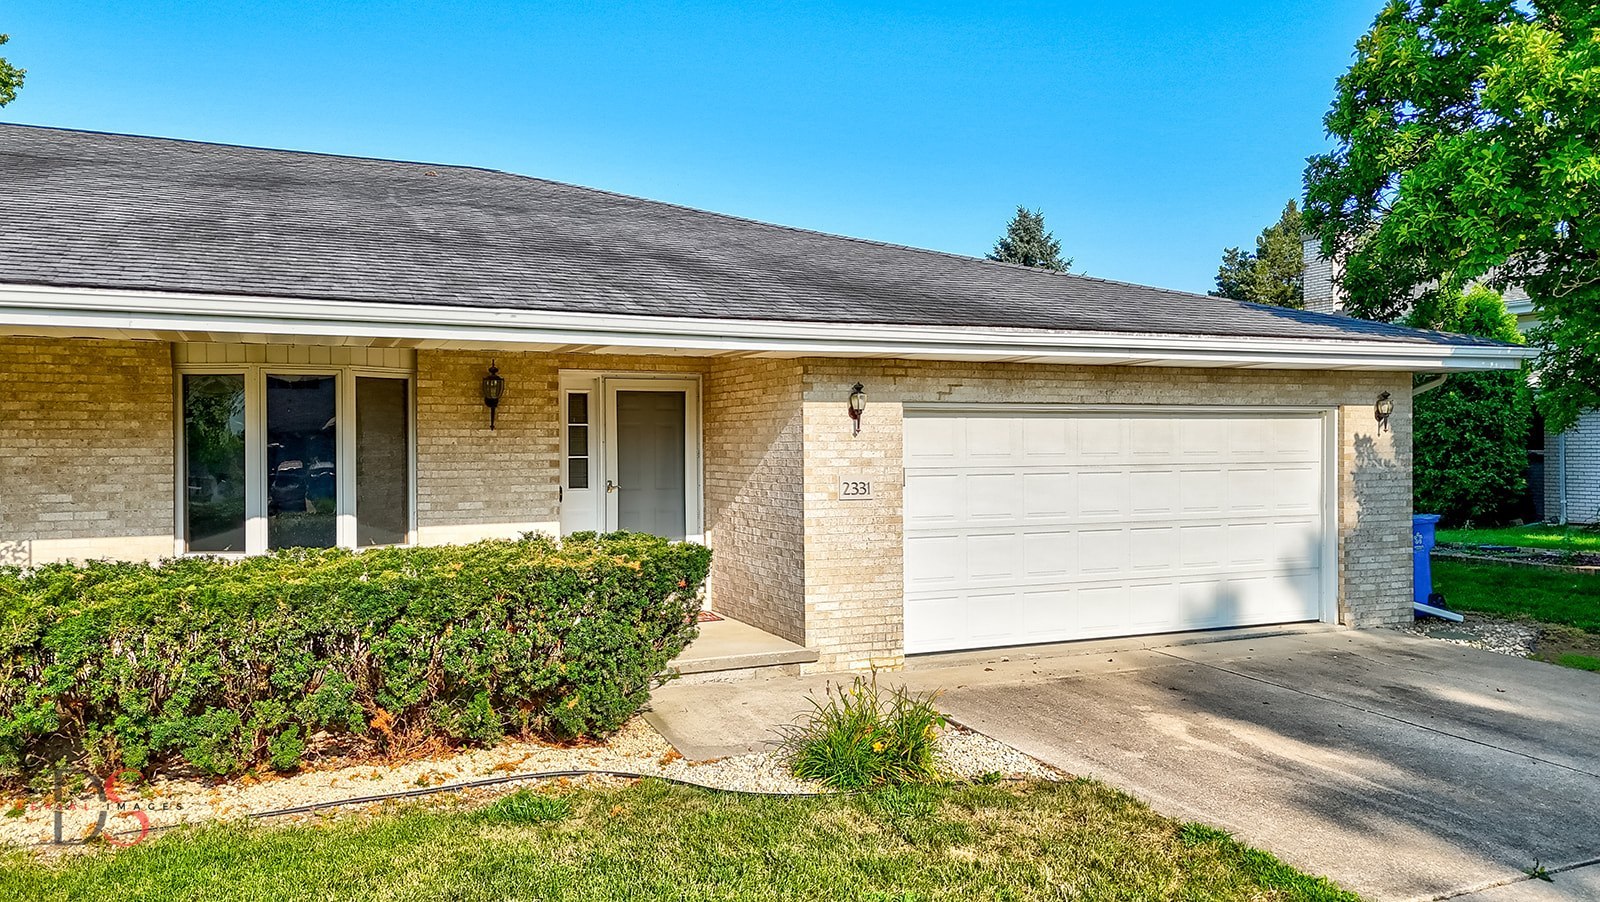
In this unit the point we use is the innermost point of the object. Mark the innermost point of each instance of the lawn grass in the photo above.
(651, 840)
(1579, 662)
(1508, 590)
(1563, 538)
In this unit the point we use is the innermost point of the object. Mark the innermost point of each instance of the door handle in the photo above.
(611, 487)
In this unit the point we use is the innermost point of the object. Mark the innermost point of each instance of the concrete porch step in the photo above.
(729, 650)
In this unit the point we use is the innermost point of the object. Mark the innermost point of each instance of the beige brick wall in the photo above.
(473, 483)
(754, 509)
(86, 437)
(853, 576)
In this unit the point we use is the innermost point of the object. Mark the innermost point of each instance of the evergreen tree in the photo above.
(1273, 273)
(1027, 242)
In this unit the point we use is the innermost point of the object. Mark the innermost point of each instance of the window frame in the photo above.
(255, 458)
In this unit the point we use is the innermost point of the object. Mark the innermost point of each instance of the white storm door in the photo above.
(651, 452)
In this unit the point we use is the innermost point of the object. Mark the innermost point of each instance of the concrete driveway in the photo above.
(1401, 767)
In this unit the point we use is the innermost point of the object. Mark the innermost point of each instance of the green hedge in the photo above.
(227, 665)
(1470, 438)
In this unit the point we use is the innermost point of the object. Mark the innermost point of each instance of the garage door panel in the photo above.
(1100, 437)
(1247, 492)
(1049, 555)
(992, 558)
(1270, 598)
(1202, 491)
(1203, 546)
(992, 616)
(1036, 527)
(1153, 548)
(933, 441)
(1297, 435)
(1047, 495)
(1202, 435)
(1249, 436)
(1149, 607)
(992, 497)
(935, 622)
(1296, 489)
(1250, 545)
(1102, 551)
(1047, 440)
(1295, 544)
(1099, 608)
(1103, 494)
(993, 441)
(1154, 492)
(934, 562)
(934, 500)
(1048, 612)
(1151, 437)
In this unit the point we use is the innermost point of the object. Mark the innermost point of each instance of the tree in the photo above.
(1274, 273)
(1471, 434)
(1026, 242)
(10, 77)
(1469, 151)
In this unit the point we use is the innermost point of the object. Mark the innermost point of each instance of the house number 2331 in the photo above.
(854, 489)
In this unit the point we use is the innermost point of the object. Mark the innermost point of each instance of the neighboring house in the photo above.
(1563, 468)
(222, 350)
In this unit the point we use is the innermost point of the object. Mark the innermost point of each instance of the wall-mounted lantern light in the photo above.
(494, 385)
(858, 403)
(1381, 411)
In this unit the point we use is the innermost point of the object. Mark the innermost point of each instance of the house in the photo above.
(1563, 468)
(210, 349)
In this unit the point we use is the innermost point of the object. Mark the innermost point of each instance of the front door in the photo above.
(640, 441)
(645, 476)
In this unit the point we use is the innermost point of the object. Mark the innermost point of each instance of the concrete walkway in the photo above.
(1401, 767)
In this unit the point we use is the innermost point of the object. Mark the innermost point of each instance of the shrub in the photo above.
(855, 739)
(225, 665)
(1471, 434)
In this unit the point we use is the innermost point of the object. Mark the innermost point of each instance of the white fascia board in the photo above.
(111, 311)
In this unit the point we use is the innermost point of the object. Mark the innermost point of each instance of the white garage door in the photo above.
(1045, 526)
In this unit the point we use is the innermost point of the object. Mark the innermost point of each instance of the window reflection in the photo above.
(383, 463)
(302, 486)
(213, 453)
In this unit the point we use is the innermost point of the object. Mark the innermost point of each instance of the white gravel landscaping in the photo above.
(636, 748)
(1505, 637)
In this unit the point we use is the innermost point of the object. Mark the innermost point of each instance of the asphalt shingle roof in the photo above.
(86, 209)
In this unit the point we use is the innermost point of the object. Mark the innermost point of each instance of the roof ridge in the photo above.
(235, 146)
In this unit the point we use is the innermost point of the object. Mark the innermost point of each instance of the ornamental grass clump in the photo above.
(857, 737)
(223, 666)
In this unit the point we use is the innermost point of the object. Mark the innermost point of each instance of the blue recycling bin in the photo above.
(1422, 527)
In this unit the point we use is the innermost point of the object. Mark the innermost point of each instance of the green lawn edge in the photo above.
(653, 840)
(1539, 535)
(1509, 590)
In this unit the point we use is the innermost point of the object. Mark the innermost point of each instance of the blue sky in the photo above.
(1151, 134)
